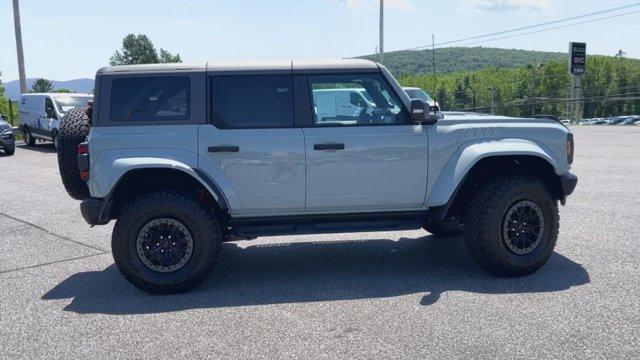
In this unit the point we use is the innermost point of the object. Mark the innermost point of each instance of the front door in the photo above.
(251, 148)
(370, 160)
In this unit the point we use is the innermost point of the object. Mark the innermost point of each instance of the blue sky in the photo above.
(67, 39)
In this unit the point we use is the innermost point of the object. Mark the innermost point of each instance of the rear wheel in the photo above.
(74, 128)
(512, 226)
(165, 242)
(55, 139)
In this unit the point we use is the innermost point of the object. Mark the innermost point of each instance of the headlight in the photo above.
(6, 132)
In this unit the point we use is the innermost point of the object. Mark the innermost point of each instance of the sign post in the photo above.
(577, 69)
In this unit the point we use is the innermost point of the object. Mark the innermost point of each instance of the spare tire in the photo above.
(74, 128)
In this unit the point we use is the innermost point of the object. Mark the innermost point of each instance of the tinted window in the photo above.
(252, 101)
(150, 98)
(354, 100)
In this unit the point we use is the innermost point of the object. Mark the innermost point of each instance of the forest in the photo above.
(518, 82)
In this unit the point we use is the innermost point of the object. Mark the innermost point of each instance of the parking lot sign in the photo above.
(577, 58)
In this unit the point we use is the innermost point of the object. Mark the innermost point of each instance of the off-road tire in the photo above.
(484, 225)
(444, 229)
(28, 138)
(74, 128)
(203, 225)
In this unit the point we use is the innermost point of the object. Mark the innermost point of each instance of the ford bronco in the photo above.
(186, 157)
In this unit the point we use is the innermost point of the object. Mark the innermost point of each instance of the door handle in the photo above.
(328, 147)
(219, 149)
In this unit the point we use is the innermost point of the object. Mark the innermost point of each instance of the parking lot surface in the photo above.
(369, 295)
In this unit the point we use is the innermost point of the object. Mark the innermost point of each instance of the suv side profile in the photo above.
(187, 157)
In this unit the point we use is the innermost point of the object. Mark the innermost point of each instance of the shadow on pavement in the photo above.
(40, 147)
(318, 271)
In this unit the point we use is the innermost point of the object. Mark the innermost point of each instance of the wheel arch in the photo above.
(143, 180)
(472, 166)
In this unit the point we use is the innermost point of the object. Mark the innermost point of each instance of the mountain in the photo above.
(12, 88)
(454, 59)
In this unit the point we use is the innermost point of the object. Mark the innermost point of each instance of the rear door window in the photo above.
(252, 101)
(163, 98)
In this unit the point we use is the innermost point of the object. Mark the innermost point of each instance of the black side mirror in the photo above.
(421, 112)
(51, 113)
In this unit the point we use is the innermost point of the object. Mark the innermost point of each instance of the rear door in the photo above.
(251, 147)
(372, 160)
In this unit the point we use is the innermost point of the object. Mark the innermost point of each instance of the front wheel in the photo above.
(9, 150)
(165, 242)
(512, 226)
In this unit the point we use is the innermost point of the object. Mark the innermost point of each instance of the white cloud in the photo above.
(470, 6)
(402, 5)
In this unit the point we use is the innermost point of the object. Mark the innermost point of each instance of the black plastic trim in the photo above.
(92, 210)
(222, 201)
(569, 182)
(327, 223)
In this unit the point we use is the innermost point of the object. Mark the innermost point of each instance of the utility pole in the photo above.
(493, 98)
(11, 113)
(381, 57)
(433, 62)
(18, 30)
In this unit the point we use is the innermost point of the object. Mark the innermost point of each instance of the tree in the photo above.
(138, 49)
(62, 90)
(42, 86)
(9, 112)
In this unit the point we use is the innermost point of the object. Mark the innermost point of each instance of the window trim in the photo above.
(403, 108)
(210, 113)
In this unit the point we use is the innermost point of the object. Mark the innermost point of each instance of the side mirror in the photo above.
(421, 112)
(50, 113)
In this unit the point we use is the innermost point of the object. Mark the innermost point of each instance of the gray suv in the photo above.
(186, 157)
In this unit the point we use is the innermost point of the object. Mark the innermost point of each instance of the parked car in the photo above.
(631, 120)
(7, 138)
(235, 151)
(40, 114)
(615, 120)
(418, 93)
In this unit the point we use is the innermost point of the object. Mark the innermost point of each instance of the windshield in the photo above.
(418, 94)
(67, 103)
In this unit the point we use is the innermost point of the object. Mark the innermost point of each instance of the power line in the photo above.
(531, 26)
(553, 28)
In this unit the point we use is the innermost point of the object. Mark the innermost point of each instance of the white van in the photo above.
(350, 106)
(342, 104)
(40, 114)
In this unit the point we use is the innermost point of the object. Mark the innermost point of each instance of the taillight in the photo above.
(570, 148)
(83, 160)
(83, 148)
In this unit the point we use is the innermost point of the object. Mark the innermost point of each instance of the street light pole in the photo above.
(381, 57)
(18, 30)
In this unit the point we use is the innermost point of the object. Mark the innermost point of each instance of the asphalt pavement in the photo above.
(367, 295)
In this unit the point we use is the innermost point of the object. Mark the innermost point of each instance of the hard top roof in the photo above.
(286, 66)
